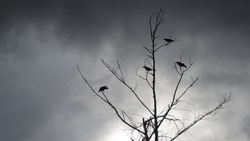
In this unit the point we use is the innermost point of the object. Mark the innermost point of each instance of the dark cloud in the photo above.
(43, 97)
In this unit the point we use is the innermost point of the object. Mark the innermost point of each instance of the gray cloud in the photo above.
(43, 97)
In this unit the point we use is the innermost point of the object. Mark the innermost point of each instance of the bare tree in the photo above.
(149, 128)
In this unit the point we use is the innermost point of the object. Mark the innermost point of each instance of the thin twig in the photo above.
(223, 101)
(109, 103)
(130, 88)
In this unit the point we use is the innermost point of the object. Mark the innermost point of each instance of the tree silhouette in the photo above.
(150, 128)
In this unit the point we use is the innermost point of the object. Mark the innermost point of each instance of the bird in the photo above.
(103, 88)
(169, 40)
(181, 64)
(147, 68)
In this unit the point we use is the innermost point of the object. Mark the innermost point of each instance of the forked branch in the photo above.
(121, 79)
(225, 99)
(105, 99)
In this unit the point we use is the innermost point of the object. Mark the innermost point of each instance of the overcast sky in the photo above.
(43, 98)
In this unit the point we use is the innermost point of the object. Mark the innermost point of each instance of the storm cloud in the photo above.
(43, 97)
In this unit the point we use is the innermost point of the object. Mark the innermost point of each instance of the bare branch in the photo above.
(186, 89)
(224, 100)
(147, 49)
(130, 88)
(144, 78)
(129, 118)
(161, 46)
(150, 56)
(171, 105)
(120, 69)
(148, 62)
(89, 84)
(135, 87)
(105, 99)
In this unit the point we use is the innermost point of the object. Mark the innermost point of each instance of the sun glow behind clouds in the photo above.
(117, 135)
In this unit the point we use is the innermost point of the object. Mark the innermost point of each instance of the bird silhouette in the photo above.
(147, 68)
(181, 64)
(103, 88)
(169, 40)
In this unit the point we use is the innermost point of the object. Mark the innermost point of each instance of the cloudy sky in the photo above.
(43, 98)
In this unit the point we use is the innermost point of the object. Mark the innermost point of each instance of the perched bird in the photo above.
(103, 88)
(169, 40)
(181, 64)
(147, 68)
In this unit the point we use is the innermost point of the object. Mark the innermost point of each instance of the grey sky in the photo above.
(42, 96)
